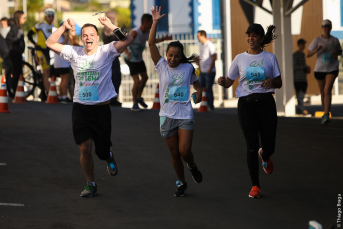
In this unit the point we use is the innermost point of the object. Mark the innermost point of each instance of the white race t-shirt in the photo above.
(175, 89)
(93, 74)
(253, 70)
(137, 46)
(325, 62)
(206, 51)
(58, 61)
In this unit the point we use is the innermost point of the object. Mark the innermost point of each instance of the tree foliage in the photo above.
(123, 17)
(33, 6)
(91, 6)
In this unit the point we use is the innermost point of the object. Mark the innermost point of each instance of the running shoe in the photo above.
(196, 174)
(181, 189)
(325, 119)
(135, 107)
(112, 167)
(89, 191)
(142, 103)
(255, 192)
(65, 101)
(267, 166)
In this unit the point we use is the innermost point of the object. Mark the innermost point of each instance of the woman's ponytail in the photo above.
(269, 36)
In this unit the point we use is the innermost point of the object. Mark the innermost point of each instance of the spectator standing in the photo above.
(6, 62)
(16, 44)
(300, 79)
(207, 60)
(43, 31)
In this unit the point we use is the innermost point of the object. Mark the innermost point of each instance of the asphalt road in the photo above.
(43, 175)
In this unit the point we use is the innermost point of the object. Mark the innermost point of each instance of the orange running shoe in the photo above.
(267, 166)
(255, 192)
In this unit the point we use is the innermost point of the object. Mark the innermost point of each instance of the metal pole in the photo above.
(58, 6)
(25, 7)
(145, 5)
(227, 43)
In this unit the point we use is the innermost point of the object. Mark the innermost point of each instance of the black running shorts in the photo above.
(92, 121)
(322, 75)
(135, 67)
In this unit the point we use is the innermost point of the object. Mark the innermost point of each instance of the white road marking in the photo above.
(2, 163)
(11, 204)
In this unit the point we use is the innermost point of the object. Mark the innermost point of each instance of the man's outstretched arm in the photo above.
(52, 41)
(120, 45)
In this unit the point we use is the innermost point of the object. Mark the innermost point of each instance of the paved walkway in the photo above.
(43, 176)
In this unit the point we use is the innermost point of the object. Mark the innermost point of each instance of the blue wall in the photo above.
(163, 24)
(216, 14)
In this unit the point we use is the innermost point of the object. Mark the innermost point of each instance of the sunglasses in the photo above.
(326, 26)
(102, 12)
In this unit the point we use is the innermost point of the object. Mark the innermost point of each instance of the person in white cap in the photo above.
(43, 31)
(327, 48)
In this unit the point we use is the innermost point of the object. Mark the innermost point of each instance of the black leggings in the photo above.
(258, 119)
(17, 62)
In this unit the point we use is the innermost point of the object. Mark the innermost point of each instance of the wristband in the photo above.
(119, 34)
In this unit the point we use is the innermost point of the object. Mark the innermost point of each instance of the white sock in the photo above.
(93, 183)
(110, 154)
(64, 96)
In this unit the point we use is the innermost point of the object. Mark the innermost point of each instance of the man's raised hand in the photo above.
(156, 15)
(105, 21)
(69, 24)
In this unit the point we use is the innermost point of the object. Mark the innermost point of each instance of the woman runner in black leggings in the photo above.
(259, 75)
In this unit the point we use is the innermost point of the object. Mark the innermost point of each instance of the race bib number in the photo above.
(255, 73)
(327, 58)
(178, 94)
(88, 93)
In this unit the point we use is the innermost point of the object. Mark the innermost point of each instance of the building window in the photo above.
(163, 24)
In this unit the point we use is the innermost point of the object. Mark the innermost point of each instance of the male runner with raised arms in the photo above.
(93, 90)
(43, 31)
(134, 59)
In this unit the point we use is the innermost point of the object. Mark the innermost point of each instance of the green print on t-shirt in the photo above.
(87, 77)
(177, 81)
(257, 64)
(87, 64)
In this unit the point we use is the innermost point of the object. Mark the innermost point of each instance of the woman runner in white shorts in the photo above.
(259, 74)
(176, 74)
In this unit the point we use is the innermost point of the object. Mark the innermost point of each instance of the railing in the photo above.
(191, 46)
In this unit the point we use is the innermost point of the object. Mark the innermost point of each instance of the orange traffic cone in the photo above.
(3, 96)
(52, 98)
(20, 94)
(156, 104)
(203, 104)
